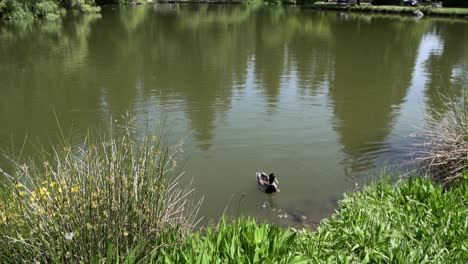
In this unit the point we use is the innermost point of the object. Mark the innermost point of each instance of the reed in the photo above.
(444, 153)
(110, 196)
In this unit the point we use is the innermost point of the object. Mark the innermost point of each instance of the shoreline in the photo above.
(363, 8)
(397, 10)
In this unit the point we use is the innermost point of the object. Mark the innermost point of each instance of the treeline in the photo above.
(49, 9)
(43, 9)
(52, 9)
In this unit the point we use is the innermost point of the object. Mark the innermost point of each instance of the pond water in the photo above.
(325, 100)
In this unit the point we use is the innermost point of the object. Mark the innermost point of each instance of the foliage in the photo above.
(409, 223)
(444, 154)
(79, 203)
(455, 3)
(241, 241)
(22, 10)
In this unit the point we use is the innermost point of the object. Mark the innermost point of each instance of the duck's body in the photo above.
(267, 183)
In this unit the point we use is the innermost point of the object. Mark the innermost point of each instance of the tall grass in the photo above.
(444, 154)
(108, 197)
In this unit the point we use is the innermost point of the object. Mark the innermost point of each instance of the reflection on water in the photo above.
(323, 99)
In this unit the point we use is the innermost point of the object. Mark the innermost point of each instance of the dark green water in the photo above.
(323, 99)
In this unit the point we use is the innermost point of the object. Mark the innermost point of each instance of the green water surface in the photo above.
(323, 99)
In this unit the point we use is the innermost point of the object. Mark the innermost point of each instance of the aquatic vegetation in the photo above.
(77, 203)
(444, 154)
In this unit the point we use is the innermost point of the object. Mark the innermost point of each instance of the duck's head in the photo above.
(272, 178)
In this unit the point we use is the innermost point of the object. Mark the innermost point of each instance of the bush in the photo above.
(48, 9)
(15, 10)
(455, 3)
(45, 9)
(86, 202)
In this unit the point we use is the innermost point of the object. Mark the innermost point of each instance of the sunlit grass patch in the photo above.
(413, 222)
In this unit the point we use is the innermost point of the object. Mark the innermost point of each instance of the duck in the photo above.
(267, 183)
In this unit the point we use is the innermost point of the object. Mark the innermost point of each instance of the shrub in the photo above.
(47, 9)
(21, 10)
(81, 203)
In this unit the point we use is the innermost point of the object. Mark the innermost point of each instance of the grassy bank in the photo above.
(413, 222)
(408, 10)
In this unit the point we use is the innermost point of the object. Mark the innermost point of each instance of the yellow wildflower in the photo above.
(44, 183)
(19, 185)
(33, 197)
(75, 189)
(93, 204)
(43, 191)
(22, 193)
(53, 184)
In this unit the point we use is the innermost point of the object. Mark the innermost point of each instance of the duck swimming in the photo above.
(267, 183)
